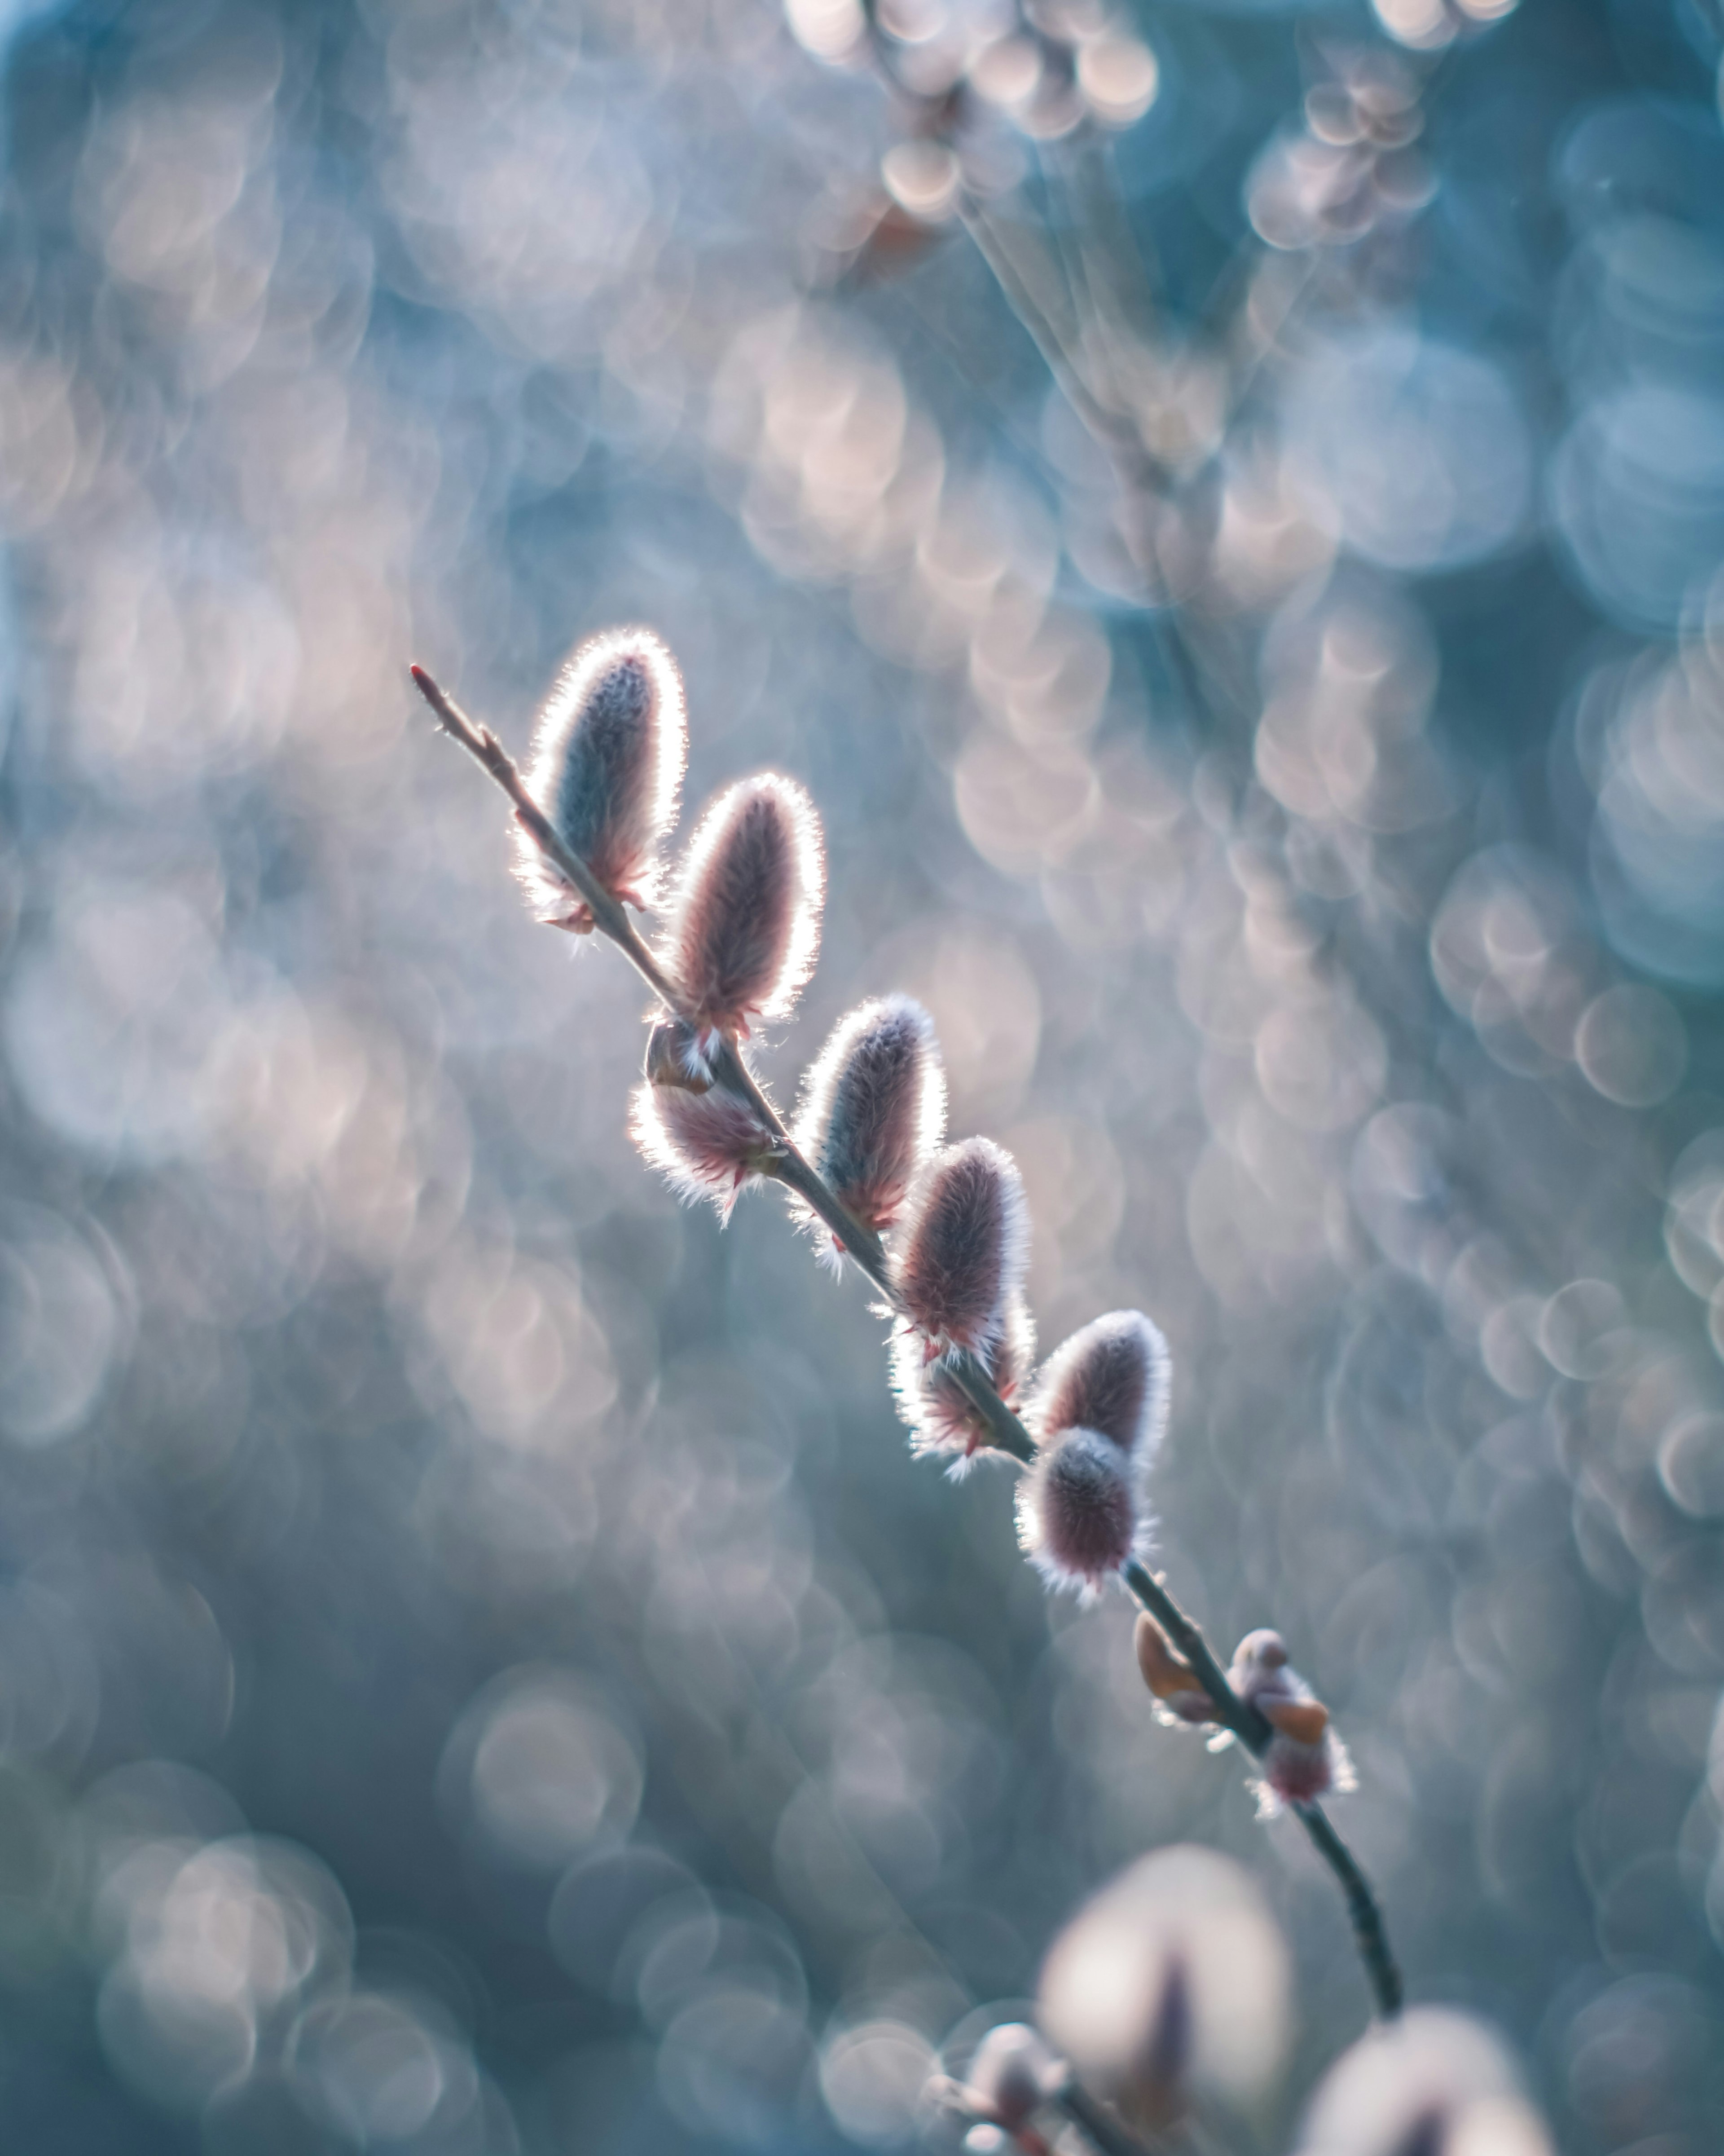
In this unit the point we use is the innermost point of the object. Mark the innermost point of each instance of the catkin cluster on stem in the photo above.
(941, 1230)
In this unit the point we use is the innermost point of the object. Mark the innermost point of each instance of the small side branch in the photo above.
(1251, 1728)
(1254, 1730)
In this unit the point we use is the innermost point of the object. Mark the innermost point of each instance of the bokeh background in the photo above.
(479, 1671)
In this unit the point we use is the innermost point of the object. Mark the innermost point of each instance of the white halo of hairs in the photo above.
(874, 1106)
(1173, 1981)
(942, 1421)
(1077, 1518)
(960, 1245)
(609, 747)
(1113, 1375)
(1433, 2065)
(744, 931)
(708, 1144)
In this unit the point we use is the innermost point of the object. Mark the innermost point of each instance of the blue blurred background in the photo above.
(478, 1670)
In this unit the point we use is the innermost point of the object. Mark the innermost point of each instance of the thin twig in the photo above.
(1140, 472)
(1007, 1433)
(1255, 1733)
(1096, 2121)
(1374, 1950)
(988, 234)
(1251, 1728)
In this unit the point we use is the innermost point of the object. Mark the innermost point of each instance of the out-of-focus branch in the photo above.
(1007, 1434)
(1140, 471)
(1096, 2122)
(1123, 444)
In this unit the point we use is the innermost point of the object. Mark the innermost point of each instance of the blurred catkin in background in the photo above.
(479, 1668)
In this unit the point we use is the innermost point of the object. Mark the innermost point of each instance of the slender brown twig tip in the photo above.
(433, 695)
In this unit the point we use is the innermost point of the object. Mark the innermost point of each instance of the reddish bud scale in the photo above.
(1077, 1512)
(745, 926)
(607, 767)
(940, 1416)
(960, 1247)
(874, 1106)
(1293, 1772)
(707, 1144)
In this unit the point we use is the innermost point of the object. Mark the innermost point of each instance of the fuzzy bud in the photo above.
(940, 1416)
(1170, 1985)
(1434, 2081)
(706, 1142)
(874, 1106)
(1077, 1511)
(745, 926)
(1013, 2074)
(961, 1247)
(1305, 1759)
(1113, 1377)
(607, 767)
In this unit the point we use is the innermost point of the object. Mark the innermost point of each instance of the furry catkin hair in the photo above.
(607, 767)
(1077, 1511)
(874, 1106)
(1114, 1376)
(960, 1245)
(706, 1144)
(745, 926)
(940, 1418)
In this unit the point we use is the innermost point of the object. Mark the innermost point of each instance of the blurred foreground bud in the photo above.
(1435, 2083)
(745, 927)
(961, 1247)
(1113, 1377)
(707, 1141)
(865, 238)
(1168, 1675)
(835, 31)
(1171, 1984)
(608, 753)
(1078, 1517)
(1118, 76)
(1013, 2074)
(1306, 1759)
(873, 1108)
(940, 1417)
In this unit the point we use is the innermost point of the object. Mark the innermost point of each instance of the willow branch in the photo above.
(1362, 1906)
(1123, 444)
(1138, 469)
(1254, 1732)
(1096, 2122)
(1007, 1434)
(1251, 1728)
